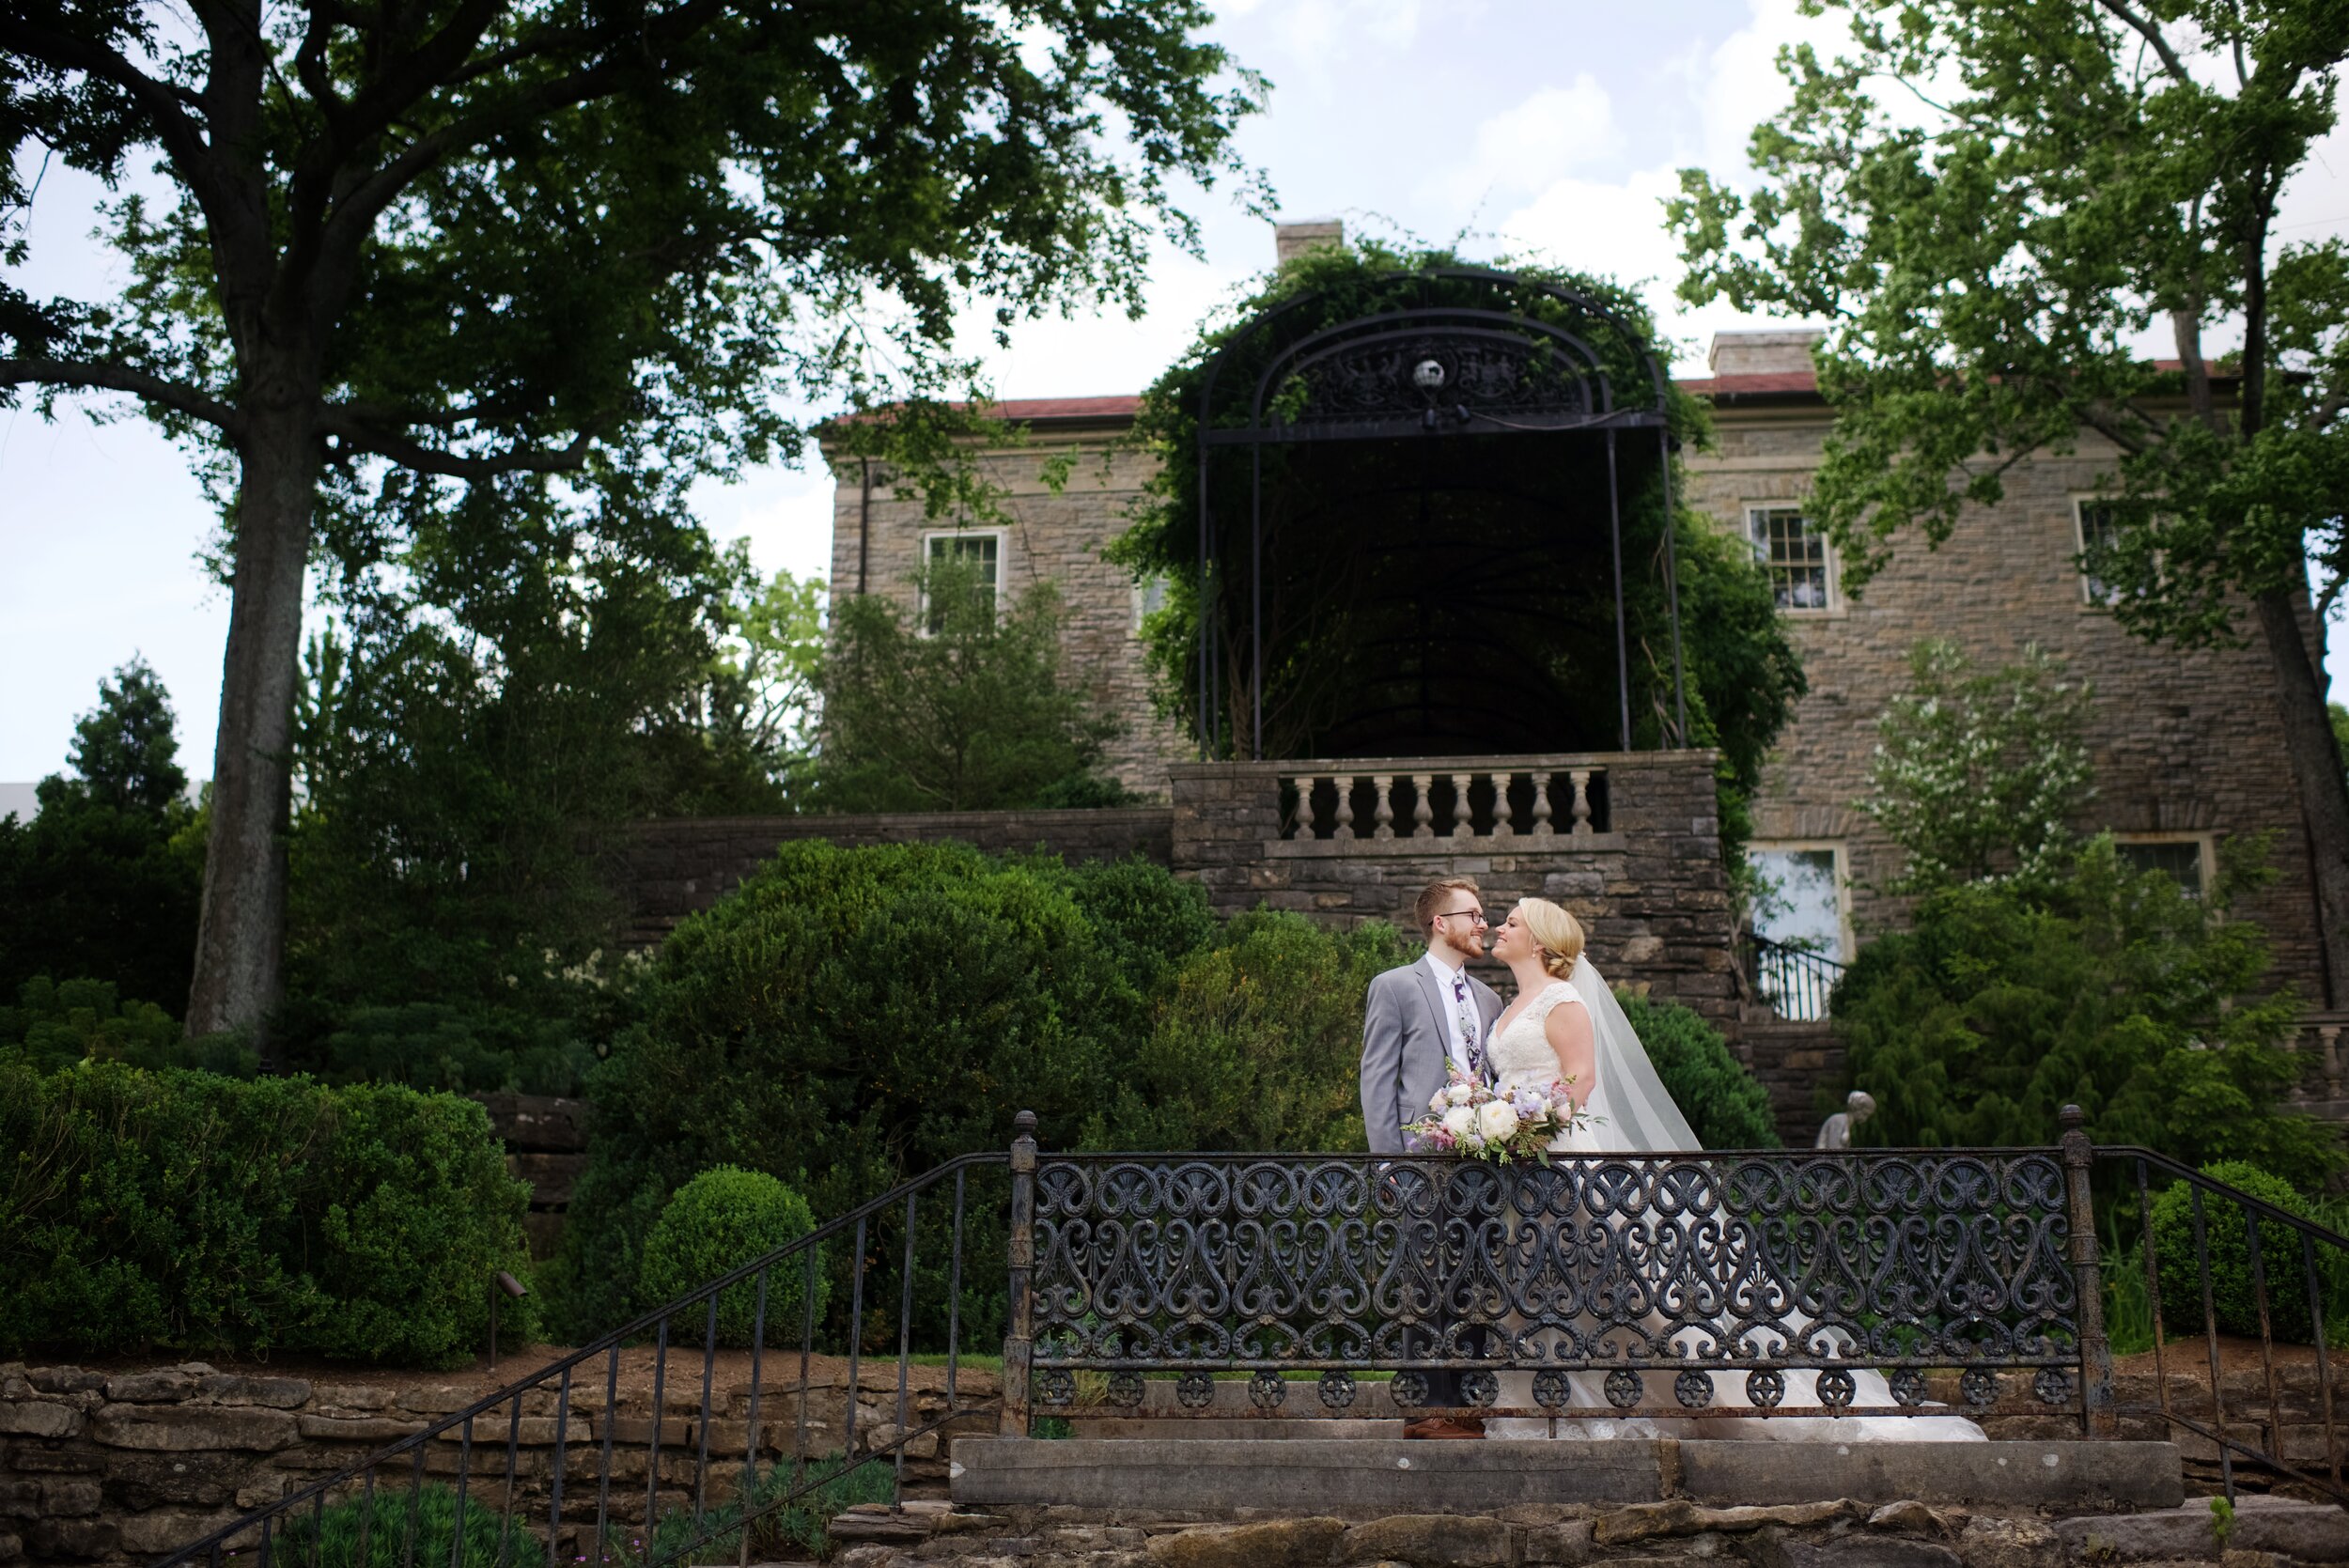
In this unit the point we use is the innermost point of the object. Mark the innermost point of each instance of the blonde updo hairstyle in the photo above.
(1557, 931)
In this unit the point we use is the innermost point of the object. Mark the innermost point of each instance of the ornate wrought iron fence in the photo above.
(1718, 1282)
(1794, 983)
(688, 1480)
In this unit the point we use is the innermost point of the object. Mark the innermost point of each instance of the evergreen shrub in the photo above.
(1726, 1106)
(717, 1222)
(2228, 1247)
(185, 1209)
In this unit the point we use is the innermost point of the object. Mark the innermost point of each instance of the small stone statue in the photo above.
(1836, 1132)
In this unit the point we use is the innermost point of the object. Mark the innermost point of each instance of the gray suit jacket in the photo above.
(1407, 1030)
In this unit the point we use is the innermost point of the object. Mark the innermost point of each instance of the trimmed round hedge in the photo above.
(2227, 1246)
(1726, 1106)
(715, 1223)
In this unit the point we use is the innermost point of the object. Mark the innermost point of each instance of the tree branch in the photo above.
(163, 104)
(2150, 31)
(121, 377)
(355, 437)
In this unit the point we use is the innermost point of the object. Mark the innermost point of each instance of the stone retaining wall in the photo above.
(108, 1468)
(670, 869)
(1651, 890)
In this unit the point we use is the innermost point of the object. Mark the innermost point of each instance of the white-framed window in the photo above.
(1805, 899)
(1793, 552)
(2095, 522)
(1149, 598)
(2191, 858)
(981, 547)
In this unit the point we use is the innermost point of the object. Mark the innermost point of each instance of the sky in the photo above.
(1528, 127)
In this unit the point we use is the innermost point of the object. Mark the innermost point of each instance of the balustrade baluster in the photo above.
(1542, 828)
(1500, 805)
(1580, 780)
(1382, 811)
(1422, 809)
(1346, 807)
(1303, 826)
(1461, 825)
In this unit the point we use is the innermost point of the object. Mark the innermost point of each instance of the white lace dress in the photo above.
(1523, 1058)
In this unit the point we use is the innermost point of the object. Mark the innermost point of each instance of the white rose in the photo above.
(1460, 1122)
(1439, 1102)
(1497, 1120)
(1459, 1093)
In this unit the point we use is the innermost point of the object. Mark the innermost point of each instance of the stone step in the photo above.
(1354, 1477)
(2306, 1532)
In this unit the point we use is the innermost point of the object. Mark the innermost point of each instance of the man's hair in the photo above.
(1435, 896)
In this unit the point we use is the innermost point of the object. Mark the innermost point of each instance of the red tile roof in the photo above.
(1019, 409)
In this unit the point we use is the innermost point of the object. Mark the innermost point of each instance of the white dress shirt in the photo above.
(1454, 1016)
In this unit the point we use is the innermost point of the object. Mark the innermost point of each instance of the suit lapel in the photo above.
(1429, 988)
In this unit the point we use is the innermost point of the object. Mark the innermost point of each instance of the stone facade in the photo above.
(2188, 745)
(880, 542)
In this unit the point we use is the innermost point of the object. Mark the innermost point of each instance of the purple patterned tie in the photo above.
(1467, 1016)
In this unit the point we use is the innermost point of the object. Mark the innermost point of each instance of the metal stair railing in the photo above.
(2294, 1246)
(290, 1532)
(1794, 983)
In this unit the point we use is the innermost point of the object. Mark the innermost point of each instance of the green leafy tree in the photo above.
(104, 883)
(409, 254)
(1980, 773)
(2110, 990)
(961, 707)
(508, 694)
(1991, 204)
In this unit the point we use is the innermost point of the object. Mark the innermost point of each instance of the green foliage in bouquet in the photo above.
(2107, 988)
(1726, 1106)
(184, 1209)
(2227, 1243)
(715, 1223)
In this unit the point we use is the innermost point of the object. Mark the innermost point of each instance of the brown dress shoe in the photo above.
(1439, 1427)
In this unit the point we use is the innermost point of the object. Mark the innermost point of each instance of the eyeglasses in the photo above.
(1476, 915)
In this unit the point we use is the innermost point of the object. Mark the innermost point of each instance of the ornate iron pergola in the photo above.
(1423, 371)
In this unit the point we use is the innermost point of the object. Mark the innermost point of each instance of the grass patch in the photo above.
(796, 1529)
(333, 1540)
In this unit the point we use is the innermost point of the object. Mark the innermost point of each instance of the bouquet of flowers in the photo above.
(1468, 1117)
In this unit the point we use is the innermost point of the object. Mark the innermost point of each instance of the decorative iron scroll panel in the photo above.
(1757, 1264)
(1484, 372)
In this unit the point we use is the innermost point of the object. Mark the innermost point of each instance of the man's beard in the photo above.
(1466, 946)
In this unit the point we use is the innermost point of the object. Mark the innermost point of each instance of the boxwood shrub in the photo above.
(181, 1208)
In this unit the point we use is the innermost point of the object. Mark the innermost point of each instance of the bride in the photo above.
(1566, 1027)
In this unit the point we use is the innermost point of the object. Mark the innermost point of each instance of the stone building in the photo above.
(2187, 746)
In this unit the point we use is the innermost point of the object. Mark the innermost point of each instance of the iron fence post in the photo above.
(1020, 1325)
(2096, 1417)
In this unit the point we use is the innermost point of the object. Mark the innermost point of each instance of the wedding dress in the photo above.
(1631, 1112)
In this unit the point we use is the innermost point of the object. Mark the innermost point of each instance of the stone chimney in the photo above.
(1291, 241)
(1779, 351)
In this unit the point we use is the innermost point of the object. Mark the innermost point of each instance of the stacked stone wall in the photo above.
(1650, 891)
(113, 1468)
(670, 869)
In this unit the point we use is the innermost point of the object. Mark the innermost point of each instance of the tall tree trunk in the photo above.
(240, 938)
(2314, 759)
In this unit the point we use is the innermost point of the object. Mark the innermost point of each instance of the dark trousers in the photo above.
(1443, 1388)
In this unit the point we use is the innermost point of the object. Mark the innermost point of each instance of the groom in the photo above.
(1420, 1023)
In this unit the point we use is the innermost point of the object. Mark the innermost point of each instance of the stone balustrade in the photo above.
(1395, 804)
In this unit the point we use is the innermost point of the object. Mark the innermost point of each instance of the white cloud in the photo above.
(1549, 134)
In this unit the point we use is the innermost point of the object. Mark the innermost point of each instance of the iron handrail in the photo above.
(610, 1344)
